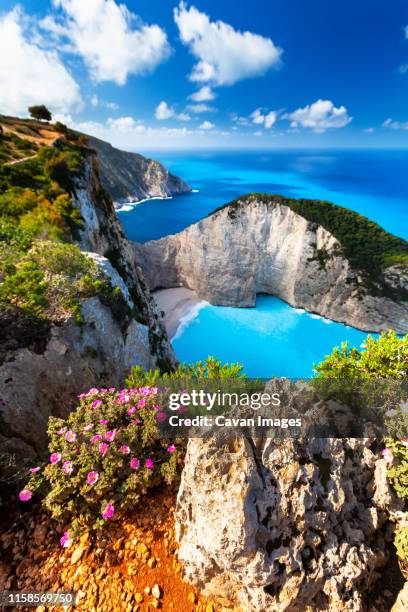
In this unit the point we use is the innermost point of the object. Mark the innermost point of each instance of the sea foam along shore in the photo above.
(180, 306)
(126, 206)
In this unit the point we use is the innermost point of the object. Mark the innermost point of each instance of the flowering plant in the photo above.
(105, 455)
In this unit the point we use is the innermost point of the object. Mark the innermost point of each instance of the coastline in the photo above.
(126, 206)
(180, 306)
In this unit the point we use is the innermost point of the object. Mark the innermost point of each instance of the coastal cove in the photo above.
(272, 339)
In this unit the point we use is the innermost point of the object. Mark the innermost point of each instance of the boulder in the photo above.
(284, 525)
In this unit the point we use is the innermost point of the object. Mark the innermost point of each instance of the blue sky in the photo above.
(162, 73)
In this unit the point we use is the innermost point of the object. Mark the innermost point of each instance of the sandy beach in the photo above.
(177, 304)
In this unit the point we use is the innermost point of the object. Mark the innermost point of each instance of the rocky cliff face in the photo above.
(131, 177)
(44, 378)
(261, 247)
(290, 525)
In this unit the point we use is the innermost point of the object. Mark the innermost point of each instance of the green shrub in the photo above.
(107, 451)
(211, 368)
(385, 357)
(401, 544)
(396, 455)
(51, 280)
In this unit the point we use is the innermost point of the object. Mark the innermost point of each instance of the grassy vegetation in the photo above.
(365, 244)
(12, 147)
(43, 276)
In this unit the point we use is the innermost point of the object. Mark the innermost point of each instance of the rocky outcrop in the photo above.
(263, 247)
(291, 525)
(43, 378)
(129, 177)
(35, 386)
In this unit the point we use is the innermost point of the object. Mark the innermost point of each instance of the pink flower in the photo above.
(124, 449)
(404, 442)
(65, 541)
(89, 427)
(136, 422)
(110, 435)
(67, 467)
(92, 391)
(61, 431)
(149, 463)
(108, 511)
(134, 463)
(387, 455)
(35, 470)
(25, 495)
(70, 436)
(55, 457)
(171, 448)
(112, 389)
(161, 417)
(96, 438)
(96, 404)
(156, 407)
(142, 403)
(103, 448)
(92, 477)
(132, 410)
(104, 421)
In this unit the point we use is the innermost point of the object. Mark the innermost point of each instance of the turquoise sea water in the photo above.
(272, 338)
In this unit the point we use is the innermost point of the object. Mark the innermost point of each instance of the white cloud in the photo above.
(130, 134)
(66, 119)
(163, 111)
(30, 74)
(207, 125)
(265, 119)
(125, 124)
(205, 94)
(319, 116)
(96, 101)
(242, 121)
(403, 69)
(270, 119)
(110, 39)
(200, 108)
(257, 116)
(395, 125)
(224, 54)
(406, 31)
(369, 130)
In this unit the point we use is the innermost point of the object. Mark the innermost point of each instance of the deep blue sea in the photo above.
(272, 338)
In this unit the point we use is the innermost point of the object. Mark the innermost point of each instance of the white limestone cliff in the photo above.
(232, 255)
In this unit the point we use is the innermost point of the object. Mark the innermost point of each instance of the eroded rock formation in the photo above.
(259, 247)
(286, 526)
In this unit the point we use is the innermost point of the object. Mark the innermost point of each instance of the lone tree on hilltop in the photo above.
(40, 112)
